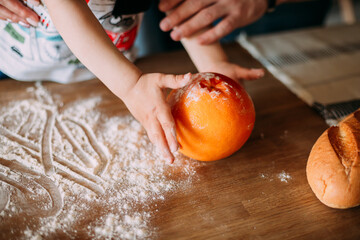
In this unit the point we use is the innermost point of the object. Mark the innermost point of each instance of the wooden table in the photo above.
(243, 197)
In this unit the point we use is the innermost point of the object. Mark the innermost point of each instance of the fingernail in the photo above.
(165, 25)
(176, 35)
(170, 160)
(24, 24)
(174, 147)
(32, 22)
(9, 20)
(33, 2)
(185, 80)
(258, 71)
(187, 76)
(168, 157)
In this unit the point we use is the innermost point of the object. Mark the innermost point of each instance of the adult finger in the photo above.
(168, 125)
(157, 137)
(167, 5)
(201, 20)
(21, 11)
(173, 81)
(183, 12)
(7, 15)
(223, 28)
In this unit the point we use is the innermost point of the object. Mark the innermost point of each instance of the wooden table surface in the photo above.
(242, 197)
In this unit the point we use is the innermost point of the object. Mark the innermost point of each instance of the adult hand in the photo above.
(189, 16)
(17, 12)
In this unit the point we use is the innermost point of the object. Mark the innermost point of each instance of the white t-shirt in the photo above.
(40, 53)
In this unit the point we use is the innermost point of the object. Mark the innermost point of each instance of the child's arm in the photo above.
(87, 39)
(142, 93)
(212, 58)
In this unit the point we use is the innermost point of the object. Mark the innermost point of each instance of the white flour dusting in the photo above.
(284, 177)
(107, 182)
(266, 176)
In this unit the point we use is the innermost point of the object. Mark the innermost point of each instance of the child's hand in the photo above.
(236, 72)
(146, 101)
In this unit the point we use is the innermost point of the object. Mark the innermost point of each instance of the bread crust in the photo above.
(333, 167)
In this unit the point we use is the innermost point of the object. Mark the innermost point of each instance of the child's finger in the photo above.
(168, 125)
(249, 74)
(157, 137)
(173, 81)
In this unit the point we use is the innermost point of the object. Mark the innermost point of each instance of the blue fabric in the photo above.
(151, 39)
(3, 76)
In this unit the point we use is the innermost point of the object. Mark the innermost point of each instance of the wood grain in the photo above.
(240, 197)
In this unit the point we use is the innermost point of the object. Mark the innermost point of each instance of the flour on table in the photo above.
(266, 176)
(284, 177)
(70, 171)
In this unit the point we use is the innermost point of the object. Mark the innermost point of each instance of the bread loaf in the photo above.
(333, 167)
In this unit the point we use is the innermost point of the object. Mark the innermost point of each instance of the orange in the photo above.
(214, 116)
